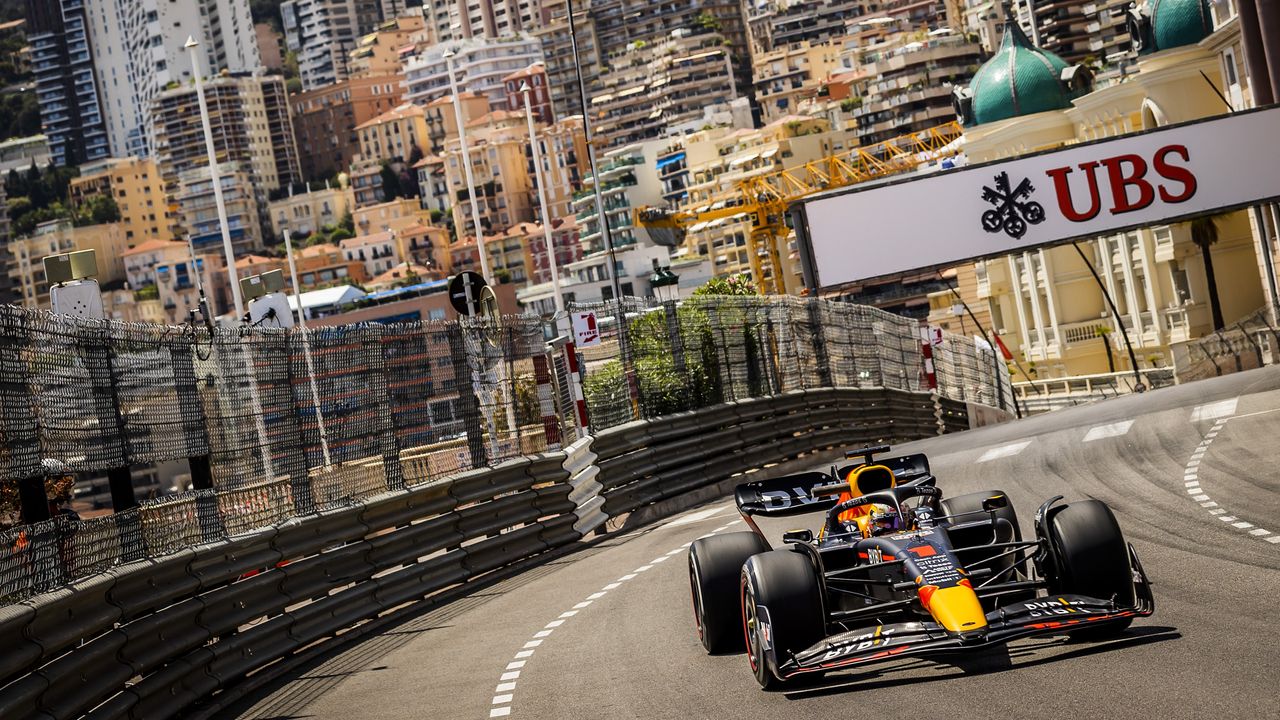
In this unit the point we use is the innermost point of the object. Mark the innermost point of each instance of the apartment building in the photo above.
(377, 251)
(789, 74)
(442, 119)
(497, 143)
(249, 117)
(1079, 29)
(53, 237)
(197, 211)
(381, 52)
(466, 19)
(138, 51)
(135, 186)
(325, 120)
(479, 66)
(535, 76)
(398, 135)
(557, 51)
(65, 85)
(141, 260)
(325, 265)
(307, 212)
(7, 294)
(908, 82)
(321, 34)
(667, 82)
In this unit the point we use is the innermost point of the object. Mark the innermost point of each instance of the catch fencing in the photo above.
(705, 351)
(277, 425)
(1252, 342)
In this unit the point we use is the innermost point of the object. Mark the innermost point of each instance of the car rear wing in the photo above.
(905, 468)
(786, 495)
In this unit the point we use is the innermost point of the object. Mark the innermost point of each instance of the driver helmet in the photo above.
(883, 520)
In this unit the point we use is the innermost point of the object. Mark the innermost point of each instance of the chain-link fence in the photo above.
(274, 424)
(707, 350)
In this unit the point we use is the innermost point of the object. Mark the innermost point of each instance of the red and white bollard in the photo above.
(926, 350)
(575, 385)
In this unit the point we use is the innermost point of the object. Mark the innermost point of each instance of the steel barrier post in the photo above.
(388, 442)
(468, 405)
(18, 419)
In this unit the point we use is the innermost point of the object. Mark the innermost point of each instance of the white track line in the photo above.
(1115, 429)
(504, 692)
(1004, 451)
(1193, 486)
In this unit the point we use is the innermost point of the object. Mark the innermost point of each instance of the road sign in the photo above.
(464, 292)
(585, 331)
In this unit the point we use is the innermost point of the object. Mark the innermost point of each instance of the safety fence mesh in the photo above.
(273, 424)
(708, 350)
(1252, 342)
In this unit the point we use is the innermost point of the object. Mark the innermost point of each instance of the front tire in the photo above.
(1092, 559)
(715, 565)
(780, 588)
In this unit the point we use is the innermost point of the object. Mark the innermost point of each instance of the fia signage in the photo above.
(1082, 191)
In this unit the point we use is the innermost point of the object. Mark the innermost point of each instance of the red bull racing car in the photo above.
(897, 570)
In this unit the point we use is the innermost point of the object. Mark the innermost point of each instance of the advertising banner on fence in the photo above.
(1082, 191)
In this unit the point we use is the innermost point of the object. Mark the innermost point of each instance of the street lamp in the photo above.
(306, 340)
(466, 165)
(665, 284)
(216, 179)
(542, 201)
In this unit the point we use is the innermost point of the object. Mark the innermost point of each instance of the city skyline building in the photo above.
(321, 34)
(66, 88)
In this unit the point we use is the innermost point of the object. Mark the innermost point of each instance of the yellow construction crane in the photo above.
(765, 197)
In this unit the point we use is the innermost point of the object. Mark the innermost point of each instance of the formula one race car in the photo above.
(898, 571)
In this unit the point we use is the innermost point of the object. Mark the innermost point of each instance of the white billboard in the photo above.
(1082, 191)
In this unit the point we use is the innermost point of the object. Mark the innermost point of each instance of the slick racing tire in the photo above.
(715, 566)
(784, 584)
(972, 503)
(1092, 560)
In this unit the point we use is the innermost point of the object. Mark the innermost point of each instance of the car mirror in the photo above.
(797, 536)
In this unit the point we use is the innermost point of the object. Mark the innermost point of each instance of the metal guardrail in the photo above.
(1039, 396)
(151, 637)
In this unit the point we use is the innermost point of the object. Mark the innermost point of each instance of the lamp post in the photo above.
(665, 284)
(306, 341)
(542, 201)
(216, 179)
(466, 165)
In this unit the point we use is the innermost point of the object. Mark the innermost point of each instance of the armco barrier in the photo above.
(149, 638)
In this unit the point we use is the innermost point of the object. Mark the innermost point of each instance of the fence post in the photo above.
(820, 343)
(18, 418)
(388, 443)
(298, 467)
(468, 405)
(195, 433)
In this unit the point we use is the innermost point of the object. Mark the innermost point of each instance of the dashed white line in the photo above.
(1004, 451)
(1220, 412)
(1115, 429)
(505, 690)
(697, 517)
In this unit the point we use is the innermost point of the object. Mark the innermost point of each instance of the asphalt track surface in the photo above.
(629, 650)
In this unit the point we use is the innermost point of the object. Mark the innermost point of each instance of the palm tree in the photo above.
(1204, 233)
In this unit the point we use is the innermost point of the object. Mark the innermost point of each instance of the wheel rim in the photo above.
(698, 612)
(751, 627)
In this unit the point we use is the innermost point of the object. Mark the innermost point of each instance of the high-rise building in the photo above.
(655, 85)
(379, 52)
(321, 34)
(66, 88)
(198, 212)
(557, 49)
(479, 66)
(250, 123)
(464, 19)
(139, 50)
(134, 185)
(325, 120)
(252, 134)
(790, 73)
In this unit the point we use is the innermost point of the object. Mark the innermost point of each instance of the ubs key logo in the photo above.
(1014, 209)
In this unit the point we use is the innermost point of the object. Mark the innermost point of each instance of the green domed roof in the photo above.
(1175, 23)
(1020, 79)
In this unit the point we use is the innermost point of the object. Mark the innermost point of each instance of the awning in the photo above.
(697, 226)
(631, 91)
(601, 99)
(744, 159)
(768, 153)
(670, 159)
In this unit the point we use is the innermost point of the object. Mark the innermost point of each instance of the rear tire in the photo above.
(715, 566)
(1093, 560)
(786, 584)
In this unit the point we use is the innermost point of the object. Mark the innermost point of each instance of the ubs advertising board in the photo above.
(1082, 191)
